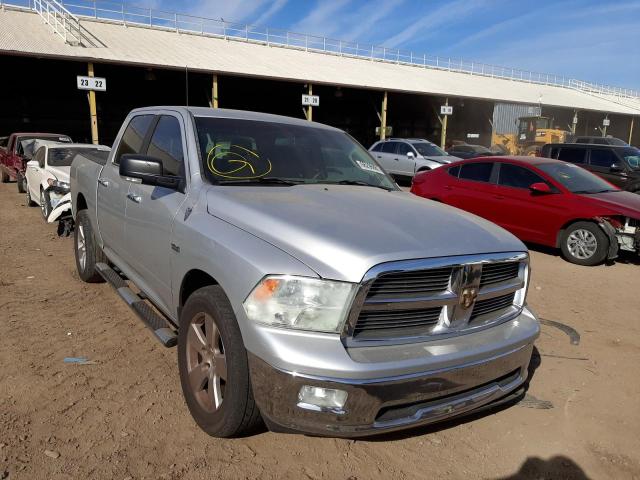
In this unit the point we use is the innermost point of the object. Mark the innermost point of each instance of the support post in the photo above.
(604, 130)
(630, 131)
(383, 117)
(310, 108)
(93, 111)
(443, 135)
(214, 92)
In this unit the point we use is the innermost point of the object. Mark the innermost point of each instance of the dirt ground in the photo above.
(124, 417)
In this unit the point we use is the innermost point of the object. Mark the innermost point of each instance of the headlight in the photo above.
(58, 185)
(299, 302)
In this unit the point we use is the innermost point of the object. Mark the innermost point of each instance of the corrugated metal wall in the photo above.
(505, 116)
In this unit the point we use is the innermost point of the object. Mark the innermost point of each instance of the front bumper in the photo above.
(391, 403)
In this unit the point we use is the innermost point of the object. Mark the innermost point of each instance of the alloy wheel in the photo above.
(582, 244)
(81, 246)
(206, 362)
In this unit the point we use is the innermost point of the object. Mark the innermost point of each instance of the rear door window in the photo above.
(478, 172)
(166, 145)
(516, 176)
(389, 147)
(377, 147)
(572, 155)
(133, 136)
(602, 158)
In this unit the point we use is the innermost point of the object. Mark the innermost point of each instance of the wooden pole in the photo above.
(631, 130)
(309, 108)
(93, 111)
(214, 92)
(383, 117)
(443, 136)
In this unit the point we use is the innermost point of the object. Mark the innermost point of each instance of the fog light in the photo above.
(322, 399)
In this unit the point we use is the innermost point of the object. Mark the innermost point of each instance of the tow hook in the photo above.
(613, 239)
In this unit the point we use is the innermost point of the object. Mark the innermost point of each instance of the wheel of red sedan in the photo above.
(584, 243)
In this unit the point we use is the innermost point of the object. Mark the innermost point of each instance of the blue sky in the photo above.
(597, 41)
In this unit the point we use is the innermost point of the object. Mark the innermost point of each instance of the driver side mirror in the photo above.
(540, 188)
(411, 155)
(146, 170)
(615, 167)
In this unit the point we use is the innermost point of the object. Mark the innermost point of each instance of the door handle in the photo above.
(379, 156)
(134, 198)
(396, 159)
(103, 182)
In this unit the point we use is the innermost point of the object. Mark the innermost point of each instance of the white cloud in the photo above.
(444, 15)
(230, 10)
(274, 8)
(322, 19)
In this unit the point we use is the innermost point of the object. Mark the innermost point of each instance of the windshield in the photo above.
(247, 151)
(632, 157)
(575, 178)
(62, 157)
(427, 149)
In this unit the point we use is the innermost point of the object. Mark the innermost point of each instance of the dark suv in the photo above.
(619, 165)
(596, 140)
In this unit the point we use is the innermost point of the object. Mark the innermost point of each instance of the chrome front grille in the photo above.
(402, 301)
(498, 272)
(374, 324)
(409, 284)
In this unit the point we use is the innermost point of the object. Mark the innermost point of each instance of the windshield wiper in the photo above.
(591, 192)
(260, 181)
(360, 183)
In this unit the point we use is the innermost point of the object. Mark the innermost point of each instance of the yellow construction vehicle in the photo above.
(533, 133)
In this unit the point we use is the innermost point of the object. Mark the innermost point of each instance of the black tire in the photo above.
(237, 413)
(45, 206)
(93, 253)
(576, 233)
(30, 202)
(21, 182)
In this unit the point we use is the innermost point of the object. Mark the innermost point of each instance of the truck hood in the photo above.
(62, 174)
(621, 203)
(341, 231)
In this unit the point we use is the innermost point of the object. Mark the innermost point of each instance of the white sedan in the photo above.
(48, 173)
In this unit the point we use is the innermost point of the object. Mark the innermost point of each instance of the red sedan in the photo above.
(542, 201)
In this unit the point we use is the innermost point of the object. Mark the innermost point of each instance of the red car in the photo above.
(541, 201)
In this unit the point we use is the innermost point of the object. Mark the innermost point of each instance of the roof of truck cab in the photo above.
(235, 115)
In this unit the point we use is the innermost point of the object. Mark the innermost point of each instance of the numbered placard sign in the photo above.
(446, 110)
(313, 100)
(92, 83)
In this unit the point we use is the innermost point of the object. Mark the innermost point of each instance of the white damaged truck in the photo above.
(301, 286)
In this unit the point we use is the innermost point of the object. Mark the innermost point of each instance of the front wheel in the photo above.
(213, 366)
(584, 243)
(87, 251)
(45, 207)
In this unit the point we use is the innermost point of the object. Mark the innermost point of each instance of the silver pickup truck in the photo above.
(301, 286)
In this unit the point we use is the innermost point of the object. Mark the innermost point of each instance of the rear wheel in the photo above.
(213, 366)
(30, 202)
(584, 243)
(21, 183)
(87, 251)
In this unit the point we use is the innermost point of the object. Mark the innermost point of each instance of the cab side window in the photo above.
(166, 145)
(133, 137)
